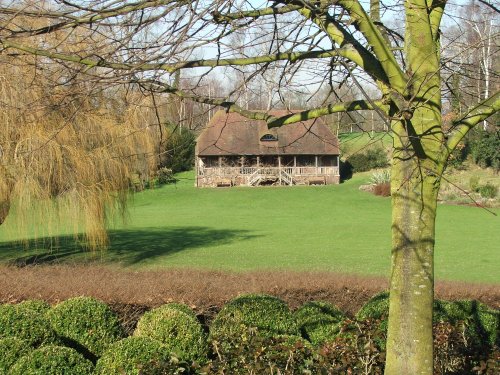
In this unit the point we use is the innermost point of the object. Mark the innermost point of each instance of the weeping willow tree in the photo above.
(67, 149)
(305, 44)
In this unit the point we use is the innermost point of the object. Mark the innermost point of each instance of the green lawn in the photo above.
(327, 228)
(351, 143)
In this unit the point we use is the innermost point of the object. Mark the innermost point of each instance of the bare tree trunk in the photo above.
(414, 201)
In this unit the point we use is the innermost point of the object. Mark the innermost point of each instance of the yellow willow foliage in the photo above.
(74, 161)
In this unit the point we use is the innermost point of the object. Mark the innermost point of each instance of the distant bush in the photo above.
(474, 183)
(267, 315)
(131, 355)
(370, 159)
(488, 190)
(179, 332)
(318, 321)
(165, 176)
(178, 150)
(11, 350)
(86, 324)
(383, 190)
(52, 360)
(484, 147)
(25, 324)
(381, 177)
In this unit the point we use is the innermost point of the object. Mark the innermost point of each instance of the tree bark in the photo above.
(414, 201)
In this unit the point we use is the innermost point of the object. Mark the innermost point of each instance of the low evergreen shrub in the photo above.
(25, 324)
(481, 324)
(11, 350)
(267, 315)
(39, 306)
(52, 360)
(377, 307)
(359, 348)
(86, 324)
(180, 333)
(318, 321)
(281, 354)
(180, 307)
(131, 356)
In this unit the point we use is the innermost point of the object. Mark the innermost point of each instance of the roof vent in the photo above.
(268, 137)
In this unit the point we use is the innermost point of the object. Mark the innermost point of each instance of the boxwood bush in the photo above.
(25, 324)
(180, 307)
(11, 350)
(52, 360)
(181, 333)
(268, 316)
(318, 321)
(131, 355)
(37, 305)
(482, 324)
(280, 354)
(86, 324)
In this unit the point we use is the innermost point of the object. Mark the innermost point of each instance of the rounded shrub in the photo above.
(180, 333)
(263, 314)
(318, 321)
(86, 324)
(482, 324)
(37, 305)
(25, 324)
(52, 360)
(12, 349)
(180, 307)
(131, 355)
(377, 307)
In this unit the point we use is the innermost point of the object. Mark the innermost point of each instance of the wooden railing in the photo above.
(268, 171)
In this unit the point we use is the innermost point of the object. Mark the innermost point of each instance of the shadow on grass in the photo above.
(127, 247)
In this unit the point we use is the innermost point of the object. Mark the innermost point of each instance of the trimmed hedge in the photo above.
(318, 321)
(131, 355)
(11, 350)
(180, 307)
(482, 324)
(86, 324)
(37, 305)
(52, 360)
(182, 334)
(25, 324)
(268, 316)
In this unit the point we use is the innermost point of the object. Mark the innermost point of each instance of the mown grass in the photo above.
(323, 228)
(351, 143)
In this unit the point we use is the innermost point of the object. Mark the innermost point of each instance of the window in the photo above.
(268, 137)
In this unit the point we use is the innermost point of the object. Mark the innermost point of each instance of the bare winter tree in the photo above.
(313, 43)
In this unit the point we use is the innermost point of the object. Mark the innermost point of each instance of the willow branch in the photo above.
(99, 16)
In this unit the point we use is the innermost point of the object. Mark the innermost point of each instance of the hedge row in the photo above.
(251, 334)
